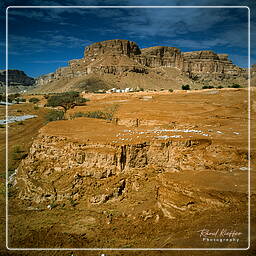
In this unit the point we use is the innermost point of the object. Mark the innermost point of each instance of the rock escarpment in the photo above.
(121, 56)
(16, 78)
(59, 170)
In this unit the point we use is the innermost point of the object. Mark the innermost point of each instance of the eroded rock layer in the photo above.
(59, 170)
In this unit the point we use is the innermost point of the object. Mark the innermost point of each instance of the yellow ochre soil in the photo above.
(167, 166)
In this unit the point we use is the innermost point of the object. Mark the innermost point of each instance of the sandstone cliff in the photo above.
(115, 59)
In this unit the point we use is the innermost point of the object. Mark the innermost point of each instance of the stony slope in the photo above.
(121, 63)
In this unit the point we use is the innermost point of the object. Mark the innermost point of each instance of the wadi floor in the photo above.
(135, 220)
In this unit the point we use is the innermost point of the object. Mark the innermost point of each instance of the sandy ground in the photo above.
(217, 115)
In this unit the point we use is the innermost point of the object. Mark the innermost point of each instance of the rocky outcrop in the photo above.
(209, 64)
(121, 56)
(16, 78)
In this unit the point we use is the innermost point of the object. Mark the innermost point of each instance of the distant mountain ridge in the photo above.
(16, 78)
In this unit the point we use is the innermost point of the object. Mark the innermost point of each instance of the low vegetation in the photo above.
(234, 86)
(34, 100)
(107, 113)
(207, 87)
(20, 100)
(54, 115)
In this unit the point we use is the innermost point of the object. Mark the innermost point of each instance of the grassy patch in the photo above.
(107, 113)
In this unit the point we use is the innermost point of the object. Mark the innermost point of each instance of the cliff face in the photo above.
(122, 56)
(209, 64)
(16, 77)
(112, 47)
(160, 56)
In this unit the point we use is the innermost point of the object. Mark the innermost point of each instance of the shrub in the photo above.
(185, 87)
(98, 114)
(33, 100)
(170, 90)
(54, 115)
(107, 113)
(220, 87)
(79, 114)
(20, 100)
(207, 87)
(36, 107)
(234, 86)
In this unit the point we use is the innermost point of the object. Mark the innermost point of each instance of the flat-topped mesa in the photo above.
(112, 47)
(121, 56)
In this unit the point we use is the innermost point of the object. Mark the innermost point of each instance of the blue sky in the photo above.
(41, 40)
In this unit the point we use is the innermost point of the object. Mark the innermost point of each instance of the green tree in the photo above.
(66, 100)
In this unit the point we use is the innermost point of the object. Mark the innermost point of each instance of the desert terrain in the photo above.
(165, 167)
